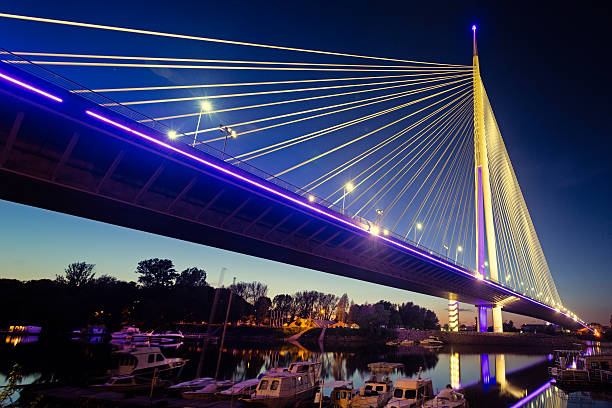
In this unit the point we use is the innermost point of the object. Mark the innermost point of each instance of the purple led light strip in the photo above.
(30, 87)
(313, 208)
(531, 396)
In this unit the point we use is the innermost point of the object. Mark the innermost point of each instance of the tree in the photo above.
(77, 274)
(305, 302)
(285, 305)
(262, 308)
(342, 308)
(325, 305)
(156, 273)
(251, 291)
(192, 277)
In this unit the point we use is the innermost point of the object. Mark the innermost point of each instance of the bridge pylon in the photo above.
(484, 208)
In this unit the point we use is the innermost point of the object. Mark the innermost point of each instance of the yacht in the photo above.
(575, 371)
(144, 361)
(447, 398)
(281, 387)
(411, 392)
(432, 341)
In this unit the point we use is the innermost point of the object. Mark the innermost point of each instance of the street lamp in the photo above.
(205, 107)
(227, 131)
(459, 249)
(172, 134)
(445, 247)
(380, 214)
(419, 227)
(348, 187)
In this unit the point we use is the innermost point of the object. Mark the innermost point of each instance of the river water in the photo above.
(488, 378)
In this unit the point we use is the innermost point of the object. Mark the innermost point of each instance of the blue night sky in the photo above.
(546, 71)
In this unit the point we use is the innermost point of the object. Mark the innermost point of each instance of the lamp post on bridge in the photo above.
(419, 227)
(445, 247)
(205, 107)
(227, 132)
(459, 249)
(347, 188)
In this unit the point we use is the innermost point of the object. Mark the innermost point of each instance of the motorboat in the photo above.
(208, 391)
(243, 389)
(576, 371)
(125, 333)
(167, 337)
(124, 383)
(432, 341)
(378, 389)
(447, 398)
(279, 388)
(194, 384)
(144, 361)
(341, 395)
(24, 329)
(411, 392)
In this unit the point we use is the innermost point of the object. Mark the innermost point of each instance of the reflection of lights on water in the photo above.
(455, 372)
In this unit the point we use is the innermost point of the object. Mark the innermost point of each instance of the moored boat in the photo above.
(447, 398)
(208, 391)
(191, 385)
(243, 389)
(133, 383)
(280, 388)
(377, 390)
(144, 361)
(411, 392)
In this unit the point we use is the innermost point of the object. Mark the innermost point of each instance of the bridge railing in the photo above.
(159, 128)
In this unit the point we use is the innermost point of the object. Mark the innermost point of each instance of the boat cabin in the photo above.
(411, 392)
(142, 361)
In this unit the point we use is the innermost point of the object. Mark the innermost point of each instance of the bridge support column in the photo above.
(498, 325)
(481, 320)
(453, 315)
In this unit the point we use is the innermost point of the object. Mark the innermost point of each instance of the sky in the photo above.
(546, 71)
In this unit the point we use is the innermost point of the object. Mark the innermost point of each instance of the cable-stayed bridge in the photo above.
(386, 170)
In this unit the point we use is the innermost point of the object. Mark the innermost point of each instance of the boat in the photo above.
(341, 395)
(411, 392)
(125, 333)
(144, 361)
(24, 329)
(167, 337)
(243, 389)
(447, 398)
(125, 383)
(282, 387)
(432, 341)
(377, 390)
(208, 391)
(592, 370)
(194, 384)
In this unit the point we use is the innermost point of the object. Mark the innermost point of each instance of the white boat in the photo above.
(144, 361)
(411, 392)
(280, 388)
(123, 383)
(378, 389)
(194, 384)
(243, 389)
(447, 398)
(125, 333)
(341, 395)
(432, 341)
(167, 337)
(208, 391)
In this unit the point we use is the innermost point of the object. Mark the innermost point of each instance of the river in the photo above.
(489, 378)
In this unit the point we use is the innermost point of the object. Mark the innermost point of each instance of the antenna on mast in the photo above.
(475, 48)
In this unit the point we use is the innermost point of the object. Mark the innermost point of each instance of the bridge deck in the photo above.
(55, 156)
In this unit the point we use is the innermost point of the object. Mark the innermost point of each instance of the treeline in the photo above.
(164, 296)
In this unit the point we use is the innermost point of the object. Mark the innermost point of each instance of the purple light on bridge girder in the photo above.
(305, 203)
(30, 87)
(482, 318)
(532, 395)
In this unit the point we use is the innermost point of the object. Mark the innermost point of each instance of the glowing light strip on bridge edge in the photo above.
(306, 204)
(531, 396)
(30, 87)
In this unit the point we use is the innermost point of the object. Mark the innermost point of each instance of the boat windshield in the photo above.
(410, 394)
